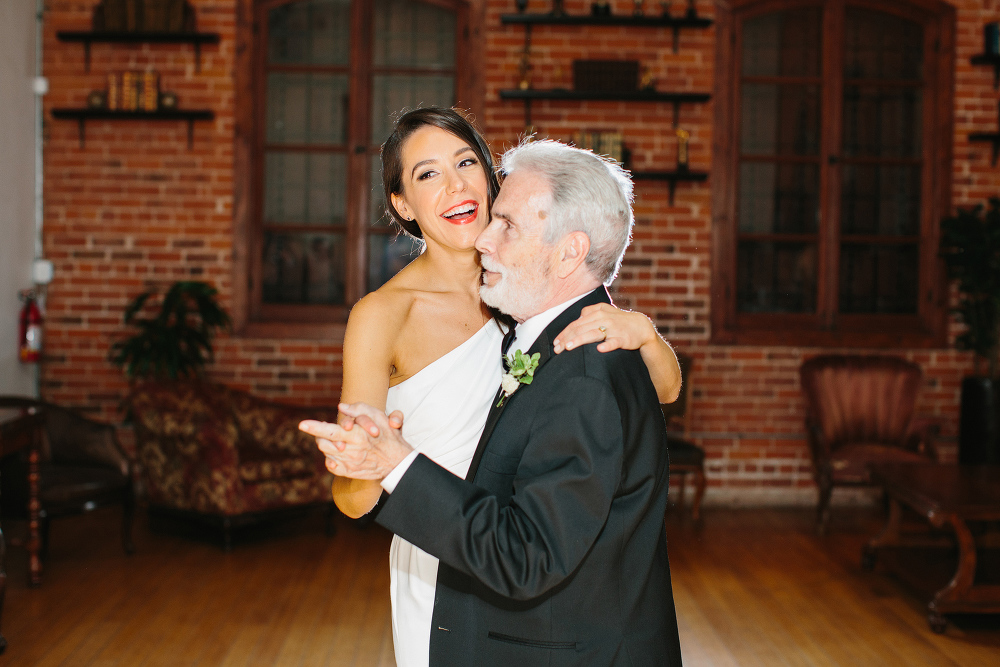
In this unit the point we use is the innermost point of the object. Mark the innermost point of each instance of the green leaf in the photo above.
(177, 340)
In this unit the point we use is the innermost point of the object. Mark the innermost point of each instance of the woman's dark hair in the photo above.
(449, 120)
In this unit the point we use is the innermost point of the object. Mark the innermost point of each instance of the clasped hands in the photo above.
(365, 444)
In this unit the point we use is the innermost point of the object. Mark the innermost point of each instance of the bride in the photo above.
(425, 345)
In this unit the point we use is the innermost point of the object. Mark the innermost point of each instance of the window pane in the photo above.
(310, 32)
(392, 93)
(304, 188)
(878, 279)
(881, 200)
(303, 268)
(413, 34)
(882, 122)
(783, 44)
(779, 119)
(306, 108)
(776, 277)
(387, 254)
(881, 46)
(778, 198)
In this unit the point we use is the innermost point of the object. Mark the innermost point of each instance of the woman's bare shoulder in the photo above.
(385, 309)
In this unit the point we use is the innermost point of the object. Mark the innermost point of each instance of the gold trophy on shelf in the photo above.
(525, 68)
(683, 136)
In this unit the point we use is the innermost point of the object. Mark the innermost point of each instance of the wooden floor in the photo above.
(752, 587)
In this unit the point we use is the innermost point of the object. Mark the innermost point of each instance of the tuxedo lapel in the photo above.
(543, 346)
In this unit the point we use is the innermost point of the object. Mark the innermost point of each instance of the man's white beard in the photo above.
(519, 295)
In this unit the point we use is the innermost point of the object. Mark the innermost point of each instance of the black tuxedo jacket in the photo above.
(554, 551)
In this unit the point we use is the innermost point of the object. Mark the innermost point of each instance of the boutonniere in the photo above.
(520, 370)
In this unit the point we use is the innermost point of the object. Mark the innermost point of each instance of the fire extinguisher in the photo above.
(30, 340)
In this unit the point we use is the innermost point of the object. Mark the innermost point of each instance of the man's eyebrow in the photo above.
(461, 150)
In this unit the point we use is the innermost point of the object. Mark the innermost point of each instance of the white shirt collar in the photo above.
(529, 330)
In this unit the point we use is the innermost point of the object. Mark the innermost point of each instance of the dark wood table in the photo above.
(946, 495)
(20, 429)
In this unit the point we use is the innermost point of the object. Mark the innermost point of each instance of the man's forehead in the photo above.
(523, 190)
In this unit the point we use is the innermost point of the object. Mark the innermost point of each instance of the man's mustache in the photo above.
(489, 265)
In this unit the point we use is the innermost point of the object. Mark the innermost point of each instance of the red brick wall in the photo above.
(136, 206)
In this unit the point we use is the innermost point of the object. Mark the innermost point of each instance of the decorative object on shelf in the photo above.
(97, 99)
(647, 83)
(557, 8)
(521, 5)
(637, 8)
(168, 100)
(970, 246)
(600, 8)
(991, 38)
(114, 91)
(606, 76)
(159, 16)
(692, 11)
(601, 143)
(133, 91)
(665, 10)
(683, 136)
(150, 100)
(525, 69)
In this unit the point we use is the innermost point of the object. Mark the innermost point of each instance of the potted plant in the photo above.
(177, 341)
(970, 247)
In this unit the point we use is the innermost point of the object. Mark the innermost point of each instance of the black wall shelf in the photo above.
(675, 23)
(81, 116)
(990, 138)
(992, 59)
(672, 178)
(89, 37)
(528, 95)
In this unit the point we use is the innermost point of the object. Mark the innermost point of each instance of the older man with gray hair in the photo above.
(552, 550)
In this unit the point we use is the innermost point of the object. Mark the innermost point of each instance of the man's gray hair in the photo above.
(590, 194)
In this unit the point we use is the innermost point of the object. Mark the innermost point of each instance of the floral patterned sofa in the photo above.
(225, 456)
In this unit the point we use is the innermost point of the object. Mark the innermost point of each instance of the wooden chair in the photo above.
(859, 410)
(82, 467)
(686, 458)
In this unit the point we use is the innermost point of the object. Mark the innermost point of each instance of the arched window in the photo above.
(328, 77)
(832, 172)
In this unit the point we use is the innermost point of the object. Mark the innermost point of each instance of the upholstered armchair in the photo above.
(859, 410)
(224, 456)
(81, 467)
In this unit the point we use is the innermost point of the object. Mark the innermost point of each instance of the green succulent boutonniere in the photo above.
(521, 370)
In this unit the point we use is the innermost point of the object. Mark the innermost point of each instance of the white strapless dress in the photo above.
(445, 406)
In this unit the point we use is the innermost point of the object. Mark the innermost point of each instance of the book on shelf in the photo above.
(133, 91)
(601, 143)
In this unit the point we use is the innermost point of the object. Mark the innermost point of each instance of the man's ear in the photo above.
(573, 250)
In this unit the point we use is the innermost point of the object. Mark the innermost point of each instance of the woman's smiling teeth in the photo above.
(463, 213)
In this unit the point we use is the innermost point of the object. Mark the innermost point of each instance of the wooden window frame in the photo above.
(251, 317)
(827, 328)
